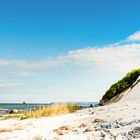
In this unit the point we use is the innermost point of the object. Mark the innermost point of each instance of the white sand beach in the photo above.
(116, 121)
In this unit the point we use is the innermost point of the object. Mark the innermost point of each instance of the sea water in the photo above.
(6, 107)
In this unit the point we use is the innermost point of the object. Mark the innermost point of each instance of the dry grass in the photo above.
(11, 116)
(5, 130)
(53, 110)
(2, 130)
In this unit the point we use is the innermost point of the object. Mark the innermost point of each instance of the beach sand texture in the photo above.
(117, 121)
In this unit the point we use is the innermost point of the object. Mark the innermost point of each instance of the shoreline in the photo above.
(116, 121)
(111, 122)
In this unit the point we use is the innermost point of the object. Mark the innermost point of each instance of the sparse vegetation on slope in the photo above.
(121, 85)
(53, 110)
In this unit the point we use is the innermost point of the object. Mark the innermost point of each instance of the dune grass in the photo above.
(2, 130)
(53, 110)
(5, 130)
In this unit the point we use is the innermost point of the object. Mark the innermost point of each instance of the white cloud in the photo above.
(25, 68)
(8, 85)
(33, 64)
(110, 58)
(100, 62)
(118, 58)
(134, 37)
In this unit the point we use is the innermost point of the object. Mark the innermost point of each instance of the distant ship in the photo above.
(24, 103)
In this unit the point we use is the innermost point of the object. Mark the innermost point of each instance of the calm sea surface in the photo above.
(24, 107)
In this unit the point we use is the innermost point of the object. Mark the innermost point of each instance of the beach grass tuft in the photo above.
(53, 110)
(5, 130)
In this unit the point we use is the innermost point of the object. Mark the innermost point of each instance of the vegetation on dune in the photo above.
(121, 85)
(11, 116)
(53, 110)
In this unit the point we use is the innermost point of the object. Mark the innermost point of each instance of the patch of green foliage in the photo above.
(121, 85)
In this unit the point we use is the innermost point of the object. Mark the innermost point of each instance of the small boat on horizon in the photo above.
(23, 102)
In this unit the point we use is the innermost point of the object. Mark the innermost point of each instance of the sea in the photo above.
(6, 107)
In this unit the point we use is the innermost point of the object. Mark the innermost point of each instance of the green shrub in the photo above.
(121, 85)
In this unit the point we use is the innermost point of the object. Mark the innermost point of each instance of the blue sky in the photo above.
(66, 50)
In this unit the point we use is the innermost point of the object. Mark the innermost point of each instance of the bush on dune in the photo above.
(121, 85)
